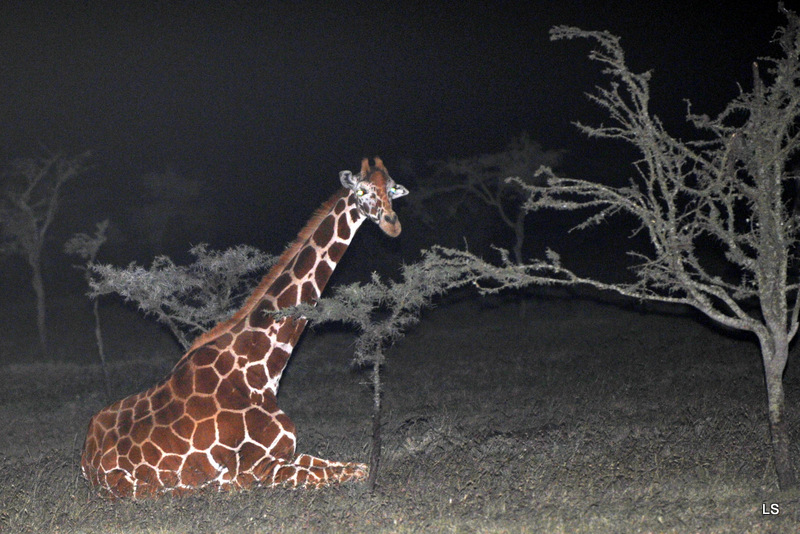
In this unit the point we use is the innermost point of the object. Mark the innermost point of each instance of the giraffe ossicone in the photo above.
(214, 420)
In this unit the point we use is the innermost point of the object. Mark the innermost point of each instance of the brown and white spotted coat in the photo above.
(214, 420)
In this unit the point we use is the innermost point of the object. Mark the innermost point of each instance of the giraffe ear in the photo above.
(348, 180)
(397, 191)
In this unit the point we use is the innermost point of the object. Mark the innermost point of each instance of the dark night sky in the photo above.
(268, 101)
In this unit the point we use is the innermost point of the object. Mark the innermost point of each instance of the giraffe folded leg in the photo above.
(310, 471)
(118, 483)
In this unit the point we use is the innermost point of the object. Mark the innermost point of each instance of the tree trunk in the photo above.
(774, 364)
(38, 288)
(98, 335)
(375, 454)
(519, 238)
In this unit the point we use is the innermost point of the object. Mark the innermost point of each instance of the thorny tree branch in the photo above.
(188, 299)
(382, 312)
(730, 190)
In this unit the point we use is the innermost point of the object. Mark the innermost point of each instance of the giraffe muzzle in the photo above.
(390, 225)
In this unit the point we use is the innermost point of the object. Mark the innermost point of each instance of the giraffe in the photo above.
(214, 420)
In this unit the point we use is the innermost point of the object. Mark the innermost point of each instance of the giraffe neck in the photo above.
(261, 346)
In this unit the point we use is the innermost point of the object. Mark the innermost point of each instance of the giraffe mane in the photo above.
(288, 254)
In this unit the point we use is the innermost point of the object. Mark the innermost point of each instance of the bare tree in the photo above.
(168, 204)
(483, 178)
(731, 190)
(30, 196)
(87, 246)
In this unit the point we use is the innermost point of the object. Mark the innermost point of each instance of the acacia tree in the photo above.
(483, 178)
(191, 298)
(28, 203)
(382, 312)
(732, 190)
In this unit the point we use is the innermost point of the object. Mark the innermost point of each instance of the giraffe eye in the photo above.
(360, 193)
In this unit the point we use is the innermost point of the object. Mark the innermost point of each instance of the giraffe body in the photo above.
(214, 420)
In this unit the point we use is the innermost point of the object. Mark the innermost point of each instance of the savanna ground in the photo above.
(581, 416)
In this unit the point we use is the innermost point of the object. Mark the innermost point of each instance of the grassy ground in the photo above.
(577, 417)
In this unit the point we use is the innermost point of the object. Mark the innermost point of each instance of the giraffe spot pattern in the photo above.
(277, 363)
(260, 318)
(231, 397)
(251, 342)
(184, 427)
(256, 377)
(280, 284)
(324, 233)
(182, 381)
(205, 356)
(206, 380)
(223, 341)
(336, 251)
(169, 413)
(338, 208)
(305, 262)
(288, 297)
(309, 292)
(343, 230)
(322, 274)
(224, 363)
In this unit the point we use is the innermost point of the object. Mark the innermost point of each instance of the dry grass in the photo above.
(579, 417)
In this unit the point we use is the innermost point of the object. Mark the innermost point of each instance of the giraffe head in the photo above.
(374, 190)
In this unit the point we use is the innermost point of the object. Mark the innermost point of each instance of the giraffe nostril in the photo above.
(390, 225)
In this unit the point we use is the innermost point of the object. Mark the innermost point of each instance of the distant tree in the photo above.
(483, 178)
(86, 246)
(730, 190)
(166, 204)
(29, 200)
(189, 299)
